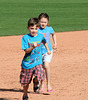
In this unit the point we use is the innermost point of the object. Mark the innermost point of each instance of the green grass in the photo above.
(65, 15)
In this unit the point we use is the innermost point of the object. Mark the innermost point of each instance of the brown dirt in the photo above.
(69, 68)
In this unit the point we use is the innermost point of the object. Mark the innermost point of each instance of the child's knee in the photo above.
(46, 65)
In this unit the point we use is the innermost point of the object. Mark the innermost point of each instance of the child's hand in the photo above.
(48, 52)
(34, 44)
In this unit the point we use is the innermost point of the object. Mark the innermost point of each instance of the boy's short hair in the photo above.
(33, 21)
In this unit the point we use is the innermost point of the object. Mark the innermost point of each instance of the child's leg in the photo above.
(47, 72)
(39, 75)
(25, 88)
(36, 86)
(42, 87)
(25, 80)
(46, 64)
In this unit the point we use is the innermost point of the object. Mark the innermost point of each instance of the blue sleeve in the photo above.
(51, 30)
(24, 43)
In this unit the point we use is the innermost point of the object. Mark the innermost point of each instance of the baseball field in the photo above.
(69, 65)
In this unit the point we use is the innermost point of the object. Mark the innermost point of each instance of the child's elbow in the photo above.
(26, 51)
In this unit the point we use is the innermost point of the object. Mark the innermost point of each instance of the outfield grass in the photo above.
(65, 15)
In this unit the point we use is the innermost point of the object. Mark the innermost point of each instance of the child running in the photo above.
(46, 30)
(32, 61)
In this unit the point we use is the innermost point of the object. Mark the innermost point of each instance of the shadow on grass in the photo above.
(19, 90)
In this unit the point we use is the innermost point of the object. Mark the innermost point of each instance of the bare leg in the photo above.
(41, 87)
(25, 88)
(47, 72)
(36, 86)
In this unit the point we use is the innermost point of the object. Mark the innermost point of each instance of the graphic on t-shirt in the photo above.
(33, 56)
(47, 37)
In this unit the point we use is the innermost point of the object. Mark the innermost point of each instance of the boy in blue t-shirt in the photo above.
(32, 61)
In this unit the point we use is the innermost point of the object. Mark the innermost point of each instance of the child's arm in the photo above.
(46, 45)
(31, 48)
(54, 40)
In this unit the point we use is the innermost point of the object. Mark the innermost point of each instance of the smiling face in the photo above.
(33, 30)
(43, 22)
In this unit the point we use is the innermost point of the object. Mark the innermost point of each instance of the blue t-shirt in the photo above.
(46, 32)
(33, 58)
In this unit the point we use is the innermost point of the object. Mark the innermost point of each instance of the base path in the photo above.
(69, 68)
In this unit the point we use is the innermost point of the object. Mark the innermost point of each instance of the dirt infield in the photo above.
(69, 68)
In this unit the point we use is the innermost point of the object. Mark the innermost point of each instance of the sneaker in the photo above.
(25, 97)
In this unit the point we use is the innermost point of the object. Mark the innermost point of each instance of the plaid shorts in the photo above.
(27, 74)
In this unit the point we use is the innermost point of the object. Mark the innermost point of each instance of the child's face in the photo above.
(33, 30)
(43, 22)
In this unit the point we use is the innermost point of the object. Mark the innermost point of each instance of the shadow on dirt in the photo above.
(19, 90)
(12, 90)
(3, 99)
